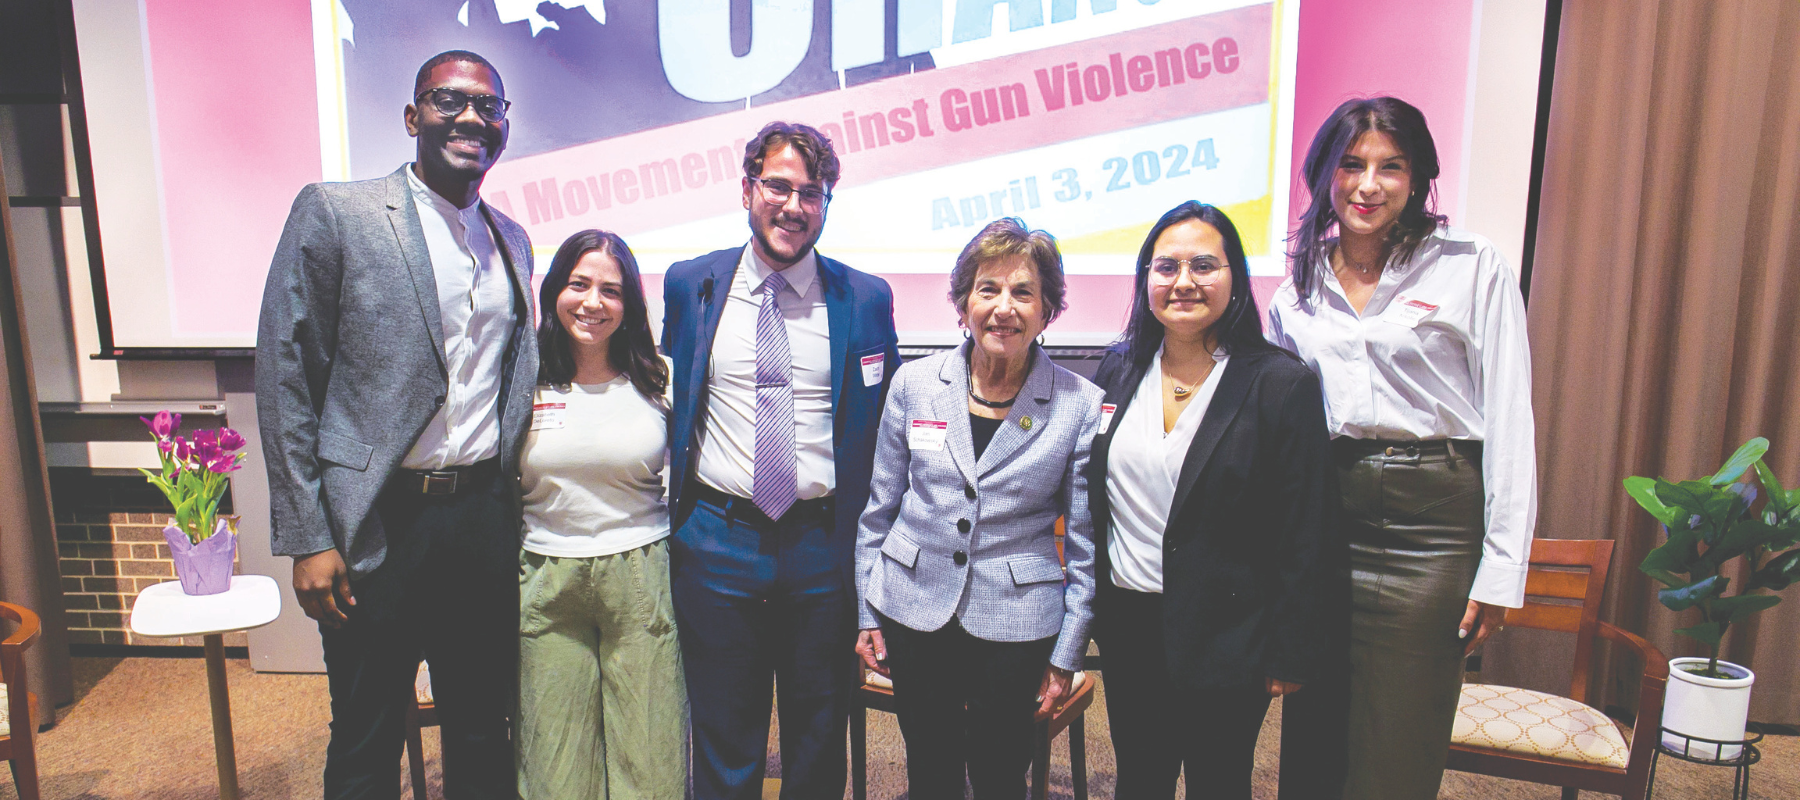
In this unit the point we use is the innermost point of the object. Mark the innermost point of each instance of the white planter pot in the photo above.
(1710, 708)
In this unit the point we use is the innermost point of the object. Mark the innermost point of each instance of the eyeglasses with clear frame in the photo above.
(776, 192)
(1205, 270)
(451, 102)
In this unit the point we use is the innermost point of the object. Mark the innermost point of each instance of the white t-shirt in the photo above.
(593, 470)
(1141, 469)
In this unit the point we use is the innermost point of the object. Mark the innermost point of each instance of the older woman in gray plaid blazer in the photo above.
(964, 601)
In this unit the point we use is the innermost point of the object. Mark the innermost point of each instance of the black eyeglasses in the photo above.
(451, 103)
(776, 191)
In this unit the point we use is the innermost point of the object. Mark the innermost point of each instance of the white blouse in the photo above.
(1142, 466)
(1438, 352)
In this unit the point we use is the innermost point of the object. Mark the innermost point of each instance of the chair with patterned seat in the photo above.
(17, 731)
(1544, 738)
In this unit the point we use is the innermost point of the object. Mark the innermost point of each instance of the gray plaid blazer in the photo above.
(1009, 586)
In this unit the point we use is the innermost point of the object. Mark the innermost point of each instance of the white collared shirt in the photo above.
(1439, 352)
(1142, 465)
(728, 441)
(475, 301)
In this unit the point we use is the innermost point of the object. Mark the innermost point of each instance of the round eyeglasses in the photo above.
(1205, 270)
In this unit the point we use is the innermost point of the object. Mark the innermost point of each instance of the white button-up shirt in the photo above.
(1143, 464)
(1438, 352)
(728, 441)
(475, 301)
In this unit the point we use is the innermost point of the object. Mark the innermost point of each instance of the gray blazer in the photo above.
(350, 361)
(1010, 587)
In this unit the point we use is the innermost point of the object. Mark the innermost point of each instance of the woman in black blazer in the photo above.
(1221, 575)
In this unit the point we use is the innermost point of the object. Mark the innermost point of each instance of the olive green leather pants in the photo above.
(1413, 515)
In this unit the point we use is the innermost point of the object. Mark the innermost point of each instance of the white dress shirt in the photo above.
(475, 301)
(1142, 466)
(1438, 352)
(728, 441)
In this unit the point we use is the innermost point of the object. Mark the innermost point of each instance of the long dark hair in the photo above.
(1239, 328)
(1310, 244)
(632, 350)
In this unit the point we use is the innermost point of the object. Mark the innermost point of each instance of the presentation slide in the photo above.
(1086, 118)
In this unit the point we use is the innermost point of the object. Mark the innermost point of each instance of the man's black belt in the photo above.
(447, 480)
(742, 508)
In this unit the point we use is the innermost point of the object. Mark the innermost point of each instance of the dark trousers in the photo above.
(1156, 727)
(447, 590)
(964, 702)
(756, 599)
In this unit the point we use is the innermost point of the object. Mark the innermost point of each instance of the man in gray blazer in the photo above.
(395, 363)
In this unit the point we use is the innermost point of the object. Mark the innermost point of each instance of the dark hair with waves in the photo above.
(1310, 244)
(632, 350)
(1238, 330)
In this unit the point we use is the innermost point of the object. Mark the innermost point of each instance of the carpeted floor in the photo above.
(140, 728)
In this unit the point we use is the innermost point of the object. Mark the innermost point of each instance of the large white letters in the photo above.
(695, 36)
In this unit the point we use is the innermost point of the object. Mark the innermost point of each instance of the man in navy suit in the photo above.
(782, 360)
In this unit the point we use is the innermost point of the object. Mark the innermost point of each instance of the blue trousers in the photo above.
(757, 600)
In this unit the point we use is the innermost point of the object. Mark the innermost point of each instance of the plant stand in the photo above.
(1740, 781)
(164, 610)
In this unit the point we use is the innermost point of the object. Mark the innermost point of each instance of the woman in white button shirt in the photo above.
(1417, 331)
(1220, 572)
(602, 706)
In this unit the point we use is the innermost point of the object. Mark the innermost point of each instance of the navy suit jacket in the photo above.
(860, 311)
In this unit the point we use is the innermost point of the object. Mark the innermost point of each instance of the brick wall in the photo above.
(110, 546)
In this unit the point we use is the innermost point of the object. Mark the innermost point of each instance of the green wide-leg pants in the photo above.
(602, 703)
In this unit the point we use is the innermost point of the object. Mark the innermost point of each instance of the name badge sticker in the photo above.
(1408, 312)
(927, 434)
(547, 416)
(1106, 415)
(874, 367)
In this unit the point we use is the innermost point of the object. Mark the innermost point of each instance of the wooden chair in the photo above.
(1561, 741)
(877, 693)
(421, 713)
(18, 729)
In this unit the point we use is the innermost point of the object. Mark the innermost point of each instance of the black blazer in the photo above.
(1256, 578)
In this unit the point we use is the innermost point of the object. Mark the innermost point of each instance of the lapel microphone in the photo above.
(706, 287)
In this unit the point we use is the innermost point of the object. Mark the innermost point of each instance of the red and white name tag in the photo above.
(1106, 415)
(874, 367)
(547, 416)
(927, 434)
(1408, 311)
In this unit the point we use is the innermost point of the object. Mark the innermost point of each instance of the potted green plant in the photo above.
(1716, 525)
(193, 477)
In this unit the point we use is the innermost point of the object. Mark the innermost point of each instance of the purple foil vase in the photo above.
(203, 568)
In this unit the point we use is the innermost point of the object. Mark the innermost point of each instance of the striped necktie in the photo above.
(774, 479)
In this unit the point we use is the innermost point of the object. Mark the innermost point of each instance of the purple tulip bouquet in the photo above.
(193, 477)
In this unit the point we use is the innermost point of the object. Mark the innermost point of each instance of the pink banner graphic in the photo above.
(654, 179)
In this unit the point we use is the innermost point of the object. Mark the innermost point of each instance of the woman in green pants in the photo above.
(602, 706)
(1417, 331)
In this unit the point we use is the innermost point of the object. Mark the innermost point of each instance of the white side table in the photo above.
(164, 610)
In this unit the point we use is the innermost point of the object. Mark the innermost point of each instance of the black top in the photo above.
(983, 429)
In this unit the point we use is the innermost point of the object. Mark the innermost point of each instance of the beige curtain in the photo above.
(1664, 296)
